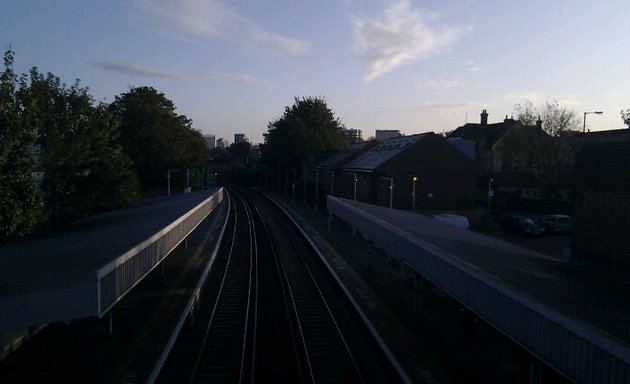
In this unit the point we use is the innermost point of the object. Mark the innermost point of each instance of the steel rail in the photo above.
(296, 287)
(285, 296)
(288, 293)
(190, 305)
(389, 355)
(224, 296)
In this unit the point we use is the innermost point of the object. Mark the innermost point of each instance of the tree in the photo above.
(240, 151)
(85, 170)
(305, 128)
(545, 139)
(625, 116)
(21, 206)
(155, 136)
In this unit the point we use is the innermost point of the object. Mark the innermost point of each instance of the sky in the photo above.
(416, 66)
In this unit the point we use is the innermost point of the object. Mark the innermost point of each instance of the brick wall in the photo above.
(442, 171)
(601, 216)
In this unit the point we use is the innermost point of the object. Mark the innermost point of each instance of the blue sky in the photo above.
(416, 66)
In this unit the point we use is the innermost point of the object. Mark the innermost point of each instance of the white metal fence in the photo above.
(577, 350)
(120, 275)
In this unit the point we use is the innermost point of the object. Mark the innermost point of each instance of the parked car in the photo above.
(456, 220)
(560, 224)
(522, 225)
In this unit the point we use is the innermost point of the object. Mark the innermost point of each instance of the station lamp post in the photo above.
(168, 177)
(413, 194)
(490, 194)
(355, 186)
(305, 178)
(187, 180)
(332, 183)
(586, 113)
(391, 192)
(316, 186)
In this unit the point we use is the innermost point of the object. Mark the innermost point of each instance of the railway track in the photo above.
(269, 312)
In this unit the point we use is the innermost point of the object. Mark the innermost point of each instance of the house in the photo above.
(384, 134)
(502, 160)
(601, 212)
(330, 169)
(391, 171)
(352, 135)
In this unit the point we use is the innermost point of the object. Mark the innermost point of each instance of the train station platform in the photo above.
(573, 319)
(85, 269)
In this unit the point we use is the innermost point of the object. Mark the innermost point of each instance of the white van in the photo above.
(456, 220)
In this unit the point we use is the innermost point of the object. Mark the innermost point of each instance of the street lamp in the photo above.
(490, 194)
(305, 178)
(586, 113)
(355, 186)
(187, 180)
(168, 176)
(391, 192)
(332, 183)
(413, 194)
(316, 186)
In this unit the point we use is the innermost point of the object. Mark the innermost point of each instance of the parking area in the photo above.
(557, 246)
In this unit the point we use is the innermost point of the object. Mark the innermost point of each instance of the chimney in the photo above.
(484, 118)
(539, 123)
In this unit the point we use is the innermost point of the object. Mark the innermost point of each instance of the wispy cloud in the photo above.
(538, 98)
(441, 84)
(451, 109)
(472, 66)
(450, 106)
(145, 71)
(216, 20)
(399, 36)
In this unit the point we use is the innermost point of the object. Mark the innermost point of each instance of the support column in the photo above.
(418, 287)
(535, 372)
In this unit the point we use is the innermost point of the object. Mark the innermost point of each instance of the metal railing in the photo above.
(120, 275)
(577, 350)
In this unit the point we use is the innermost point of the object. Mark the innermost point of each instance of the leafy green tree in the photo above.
(305, 128)
(545, 139)
(85, 170)
(155, 136)
(625, 116)
(21, 206)
(239, 151)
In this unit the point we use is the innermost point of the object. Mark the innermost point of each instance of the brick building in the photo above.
(601, 213)
(444, 177)
(498, 161)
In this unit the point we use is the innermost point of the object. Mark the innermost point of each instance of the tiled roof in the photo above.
(491, 132)
(338, 157)
(381, 153)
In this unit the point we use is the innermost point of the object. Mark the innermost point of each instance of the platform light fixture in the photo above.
(413, 194)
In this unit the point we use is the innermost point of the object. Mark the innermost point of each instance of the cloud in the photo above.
(539, 98)
(145, 71)
(442, 107)
(216, 20)
(441, 84)
(472, 66)
(398, 37)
